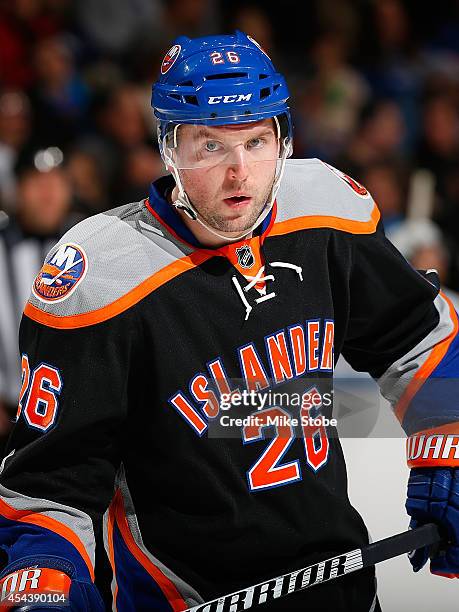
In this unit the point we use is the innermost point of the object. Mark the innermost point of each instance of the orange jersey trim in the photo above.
(169, 589)
(317, 221)
(121, 304)
(35, 518)
(436, 355)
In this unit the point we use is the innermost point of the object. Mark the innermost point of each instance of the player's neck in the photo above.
(201, 233)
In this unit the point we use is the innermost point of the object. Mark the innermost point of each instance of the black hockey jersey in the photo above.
(132, 335)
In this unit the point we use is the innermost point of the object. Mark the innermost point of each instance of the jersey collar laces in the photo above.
(260, 277)
(183, 202)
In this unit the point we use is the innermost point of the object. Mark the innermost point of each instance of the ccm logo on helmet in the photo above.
(228, 99)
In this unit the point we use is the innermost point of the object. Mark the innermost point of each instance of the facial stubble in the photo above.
(221, 223)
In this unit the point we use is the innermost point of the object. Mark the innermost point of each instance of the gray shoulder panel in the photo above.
(122, 248)
(312, 188)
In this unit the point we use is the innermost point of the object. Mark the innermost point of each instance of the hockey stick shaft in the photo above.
(329, 569)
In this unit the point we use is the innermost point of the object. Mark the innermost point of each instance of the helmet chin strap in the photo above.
(183, 202)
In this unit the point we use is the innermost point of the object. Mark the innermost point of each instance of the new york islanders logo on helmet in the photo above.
(170, 58)
(62, 271)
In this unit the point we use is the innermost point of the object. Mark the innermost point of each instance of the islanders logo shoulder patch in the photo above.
(62, 271)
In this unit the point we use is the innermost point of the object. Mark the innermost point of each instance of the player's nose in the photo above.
(238, 166)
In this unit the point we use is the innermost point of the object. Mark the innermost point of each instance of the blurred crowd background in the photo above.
(375, 92)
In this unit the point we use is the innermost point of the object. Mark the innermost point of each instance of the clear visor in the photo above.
(205, 146)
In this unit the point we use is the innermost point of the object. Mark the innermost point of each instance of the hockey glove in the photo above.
(433, 496)
(29, 584)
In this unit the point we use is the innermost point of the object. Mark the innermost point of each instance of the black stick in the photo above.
(329, 569)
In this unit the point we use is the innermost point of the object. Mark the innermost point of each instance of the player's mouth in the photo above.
(237, 201)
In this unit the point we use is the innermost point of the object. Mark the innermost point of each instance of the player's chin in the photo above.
(238, 217)
(238, 225)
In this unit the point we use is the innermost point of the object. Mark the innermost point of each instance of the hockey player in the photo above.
(242, 271)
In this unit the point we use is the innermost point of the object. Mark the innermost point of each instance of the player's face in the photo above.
(234, 174)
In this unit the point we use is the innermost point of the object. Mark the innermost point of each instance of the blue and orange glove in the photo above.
(433, 497)
(33, 586)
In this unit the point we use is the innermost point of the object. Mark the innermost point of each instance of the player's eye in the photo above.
(211, 146)
(256, 143)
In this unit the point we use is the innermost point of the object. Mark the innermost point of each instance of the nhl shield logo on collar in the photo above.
(62, 271)
(245, 256)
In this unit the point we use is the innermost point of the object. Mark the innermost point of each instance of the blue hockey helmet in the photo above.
(217, 80)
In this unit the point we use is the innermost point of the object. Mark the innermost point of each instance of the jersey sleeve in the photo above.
(403, 331)
(57, 478)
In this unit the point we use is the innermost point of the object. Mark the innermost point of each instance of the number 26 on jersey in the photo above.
(268, 471)
(39, 395)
